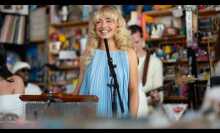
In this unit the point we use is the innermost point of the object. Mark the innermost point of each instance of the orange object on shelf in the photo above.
(144, 20)
(162, 7)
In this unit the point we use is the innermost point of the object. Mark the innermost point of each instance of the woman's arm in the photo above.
(18, 85)
(133, 82)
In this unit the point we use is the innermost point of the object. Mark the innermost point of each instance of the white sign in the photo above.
(67, 55)
(175, 110)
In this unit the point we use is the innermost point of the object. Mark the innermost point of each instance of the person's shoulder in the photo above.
(131, 53)
(16, 78)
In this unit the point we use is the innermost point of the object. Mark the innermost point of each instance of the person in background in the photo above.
(108, 23)
(216, 64)
(21, 69)
(217, 57)
(11, 87)
(9, 83)
(150, 72)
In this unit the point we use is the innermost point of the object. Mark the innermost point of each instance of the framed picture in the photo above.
(20, 9)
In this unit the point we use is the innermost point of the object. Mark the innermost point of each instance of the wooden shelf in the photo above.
(159, 13)
(38, 41)
(169, 40)
(205, 43)
(40, 84)
(68, 67)
(202, 80)
(65, 68)
(208, 12)
(176, 99)
(174, 62)
(185, 61)
(13, 44)
(61, 83)
(71, 24)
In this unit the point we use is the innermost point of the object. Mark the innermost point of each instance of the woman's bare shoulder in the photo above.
(131, 54)
(16, 79)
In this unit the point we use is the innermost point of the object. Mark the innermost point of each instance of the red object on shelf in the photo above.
(177, 109)
(54, 36)
(201, 7)
(202, 58)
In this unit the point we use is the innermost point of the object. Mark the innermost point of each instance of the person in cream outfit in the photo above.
(150, 71)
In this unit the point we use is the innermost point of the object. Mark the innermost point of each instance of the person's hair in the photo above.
(122, 36)
(135, 29)
(4, 72)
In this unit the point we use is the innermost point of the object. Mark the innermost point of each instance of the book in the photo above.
(11, 40)
(21, 30)
(5, 28)
(8, 33)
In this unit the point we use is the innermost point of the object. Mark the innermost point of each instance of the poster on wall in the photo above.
(38, 25)
(18, 9)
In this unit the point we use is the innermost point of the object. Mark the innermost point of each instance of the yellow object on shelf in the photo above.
(167, 49)
(65, 44)
(62, 38)
(148, 19)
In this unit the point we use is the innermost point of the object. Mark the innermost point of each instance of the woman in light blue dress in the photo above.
(108, 23)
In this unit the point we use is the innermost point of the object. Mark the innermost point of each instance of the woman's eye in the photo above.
(98, 22)
(109, 21)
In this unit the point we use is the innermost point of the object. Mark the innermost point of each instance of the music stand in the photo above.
(65, 106)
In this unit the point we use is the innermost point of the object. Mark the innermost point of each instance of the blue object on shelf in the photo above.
(127, 9)
(147, 8)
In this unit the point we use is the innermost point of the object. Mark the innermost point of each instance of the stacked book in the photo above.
(13, 30)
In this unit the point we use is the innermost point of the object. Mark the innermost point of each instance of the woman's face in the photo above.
(105, 27)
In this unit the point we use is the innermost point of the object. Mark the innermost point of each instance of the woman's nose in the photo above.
(103, 24)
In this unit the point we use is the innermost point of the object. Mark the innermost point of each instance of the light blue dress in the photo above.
(97, 76)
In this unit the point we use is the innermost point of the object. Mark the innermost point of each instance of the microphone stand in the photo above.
(50, 97)
(115, 83)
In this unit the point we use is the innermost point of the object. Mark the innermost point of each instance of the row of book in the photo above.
(13, 29)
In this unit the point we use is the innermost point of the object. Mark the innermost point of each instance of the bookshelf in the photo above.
(14, 30)
(71, 24)
(65, 57)
(173, 43)
(13, 33)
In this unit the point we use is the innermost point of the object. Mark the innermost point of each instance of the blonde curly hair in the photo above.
(122, 36)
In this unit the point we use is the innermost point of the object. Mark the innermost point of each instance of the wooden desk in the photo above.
(66, 106)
